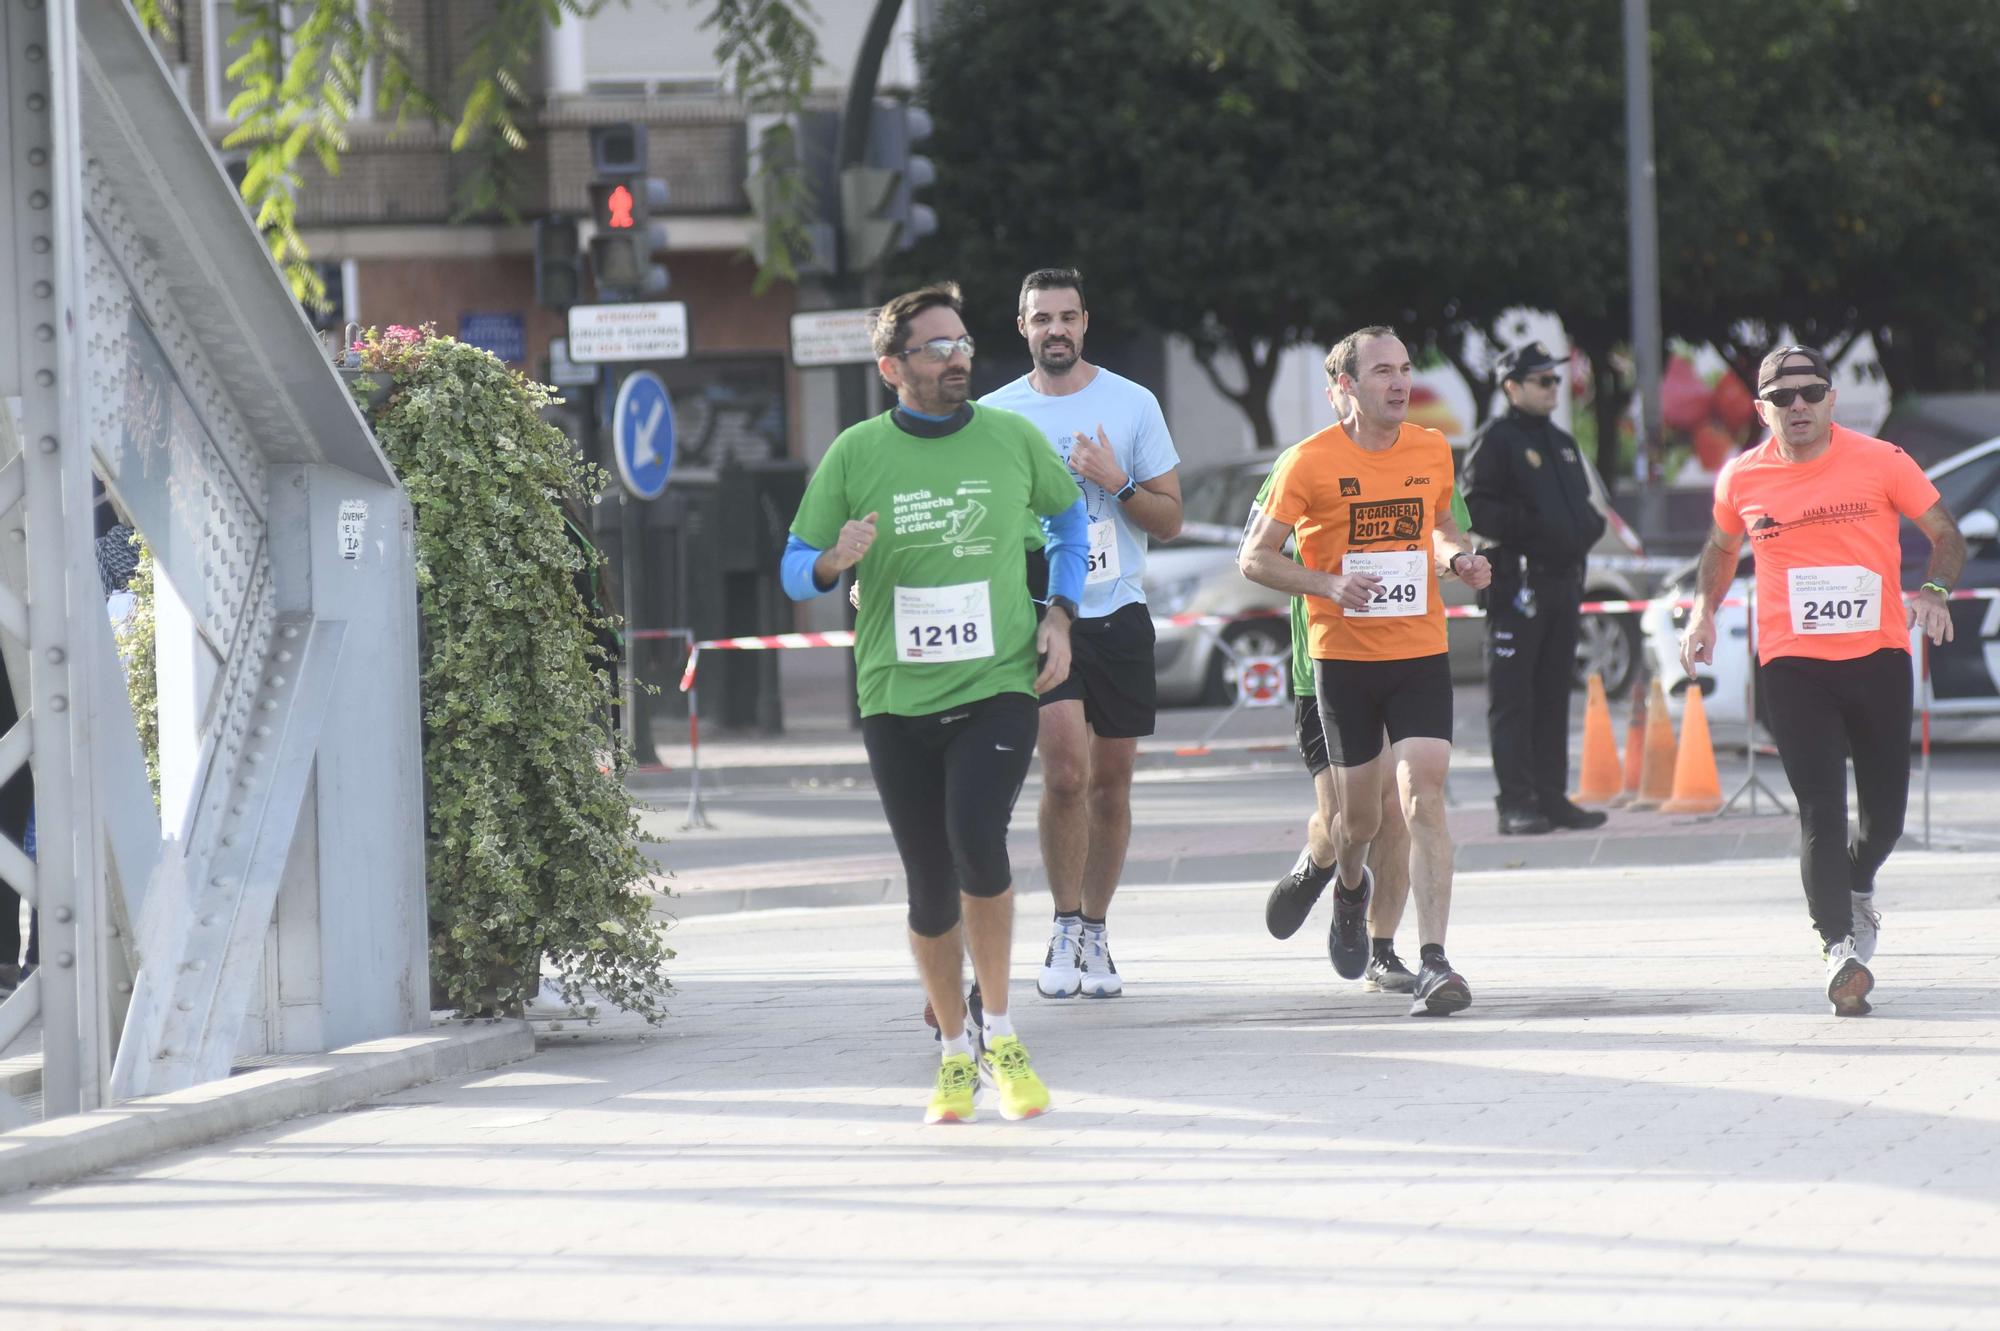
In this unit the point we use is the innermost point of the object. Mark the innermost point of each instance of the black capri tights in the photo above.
(1822, 714)
(948, 783)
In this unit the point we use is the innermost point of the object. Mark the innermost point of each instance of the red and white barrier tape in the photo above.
(845, 637)
(769, 642)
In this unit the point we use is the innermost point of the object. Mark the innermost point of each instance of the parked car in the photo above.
(1965, 672)
(1197, 573)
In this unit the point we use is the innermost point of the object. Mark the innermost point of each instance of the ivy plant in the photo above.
(140, 652)
(531, 838)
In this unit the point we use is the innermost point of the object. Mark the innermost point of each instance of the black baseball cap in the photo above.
(1524, 360)
(1792, 360)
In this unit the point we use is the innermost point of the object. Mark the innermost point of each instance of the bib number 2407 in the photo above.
(1841, 598)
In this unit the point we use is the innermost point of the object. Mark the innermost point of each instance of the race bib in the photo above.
(1405, 576)
(1841, 598)
(1103, 553)
(937, 624)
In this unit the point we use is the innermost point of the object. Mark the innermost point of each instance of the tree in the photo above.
(1201, 197)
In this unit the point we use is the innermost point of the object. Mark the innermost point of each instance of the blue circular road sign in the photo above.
(642, 434)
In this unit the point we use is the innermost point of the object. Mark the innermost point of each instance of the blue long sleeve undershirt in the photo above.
(795, 571)
(1069, 551)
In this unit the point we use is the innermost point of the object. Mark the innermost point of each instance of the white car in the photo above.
(1965, 672)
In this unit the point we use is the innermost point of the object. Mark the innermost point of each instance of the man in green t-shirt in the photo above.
(931, 503)
(1388, 855)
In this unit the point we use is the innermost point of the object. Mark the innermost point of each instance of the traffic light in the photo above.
(558, 278)
(622, 200)
(878, 207)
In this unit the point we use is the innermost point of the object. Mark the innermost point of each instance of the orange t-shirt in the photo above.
(1353, 509)
(1823, 534)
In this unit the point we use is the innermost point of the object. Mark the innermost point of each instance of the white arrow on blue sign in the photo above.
(642, 434)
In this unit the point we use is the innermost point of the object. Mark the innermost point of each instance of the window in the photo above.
(218, 20)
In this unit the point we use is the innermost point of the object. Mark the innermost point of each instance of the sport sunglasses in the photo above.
(940, 348)
(1784, 397)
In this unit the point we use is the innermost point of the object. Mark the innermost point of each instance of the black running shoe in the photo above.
(1293, 898)
(975, 1017)
(1347, 940)
(1440, 991)
(1388, 977)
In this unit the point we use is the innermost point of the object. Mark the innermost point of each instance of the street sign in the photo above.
(565, 372)
(503, 334)
(1260, 680)
(650, 330)
(642, 434)
(833, 337)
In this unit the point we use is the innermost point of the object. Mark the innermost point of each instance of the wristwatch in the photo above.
(1452, 563)
(1131, 488)
(1937, 587)
(1064, 603)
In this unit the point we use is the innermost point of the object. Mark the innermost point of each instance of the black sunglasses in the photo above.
(1784, 397)
(1545, 380)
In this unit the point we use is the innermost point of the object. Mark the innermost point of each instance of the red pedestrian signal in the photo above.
(618, 209)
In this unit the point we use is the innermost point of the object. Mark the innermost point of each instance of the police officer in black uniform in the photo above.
(1526, 488)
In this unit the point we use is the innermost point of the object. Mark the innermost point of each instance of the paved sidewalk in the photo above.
(1646, 1120)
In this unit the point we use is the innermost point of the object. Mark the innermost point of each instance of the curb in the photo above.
(1664, 848)
(62, 1149)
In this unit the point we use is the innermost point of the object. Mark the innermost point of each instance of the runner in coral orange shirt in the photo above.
(1369, 501)
(1821, 506)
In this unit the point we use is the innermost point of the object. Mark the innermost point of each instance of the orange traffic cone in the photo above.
(1656, 772)
(1697, 785)
(1635, 745)
(1597, 783)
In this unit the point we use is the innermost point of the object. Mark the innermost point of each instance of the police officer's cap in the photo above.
(1524, 360)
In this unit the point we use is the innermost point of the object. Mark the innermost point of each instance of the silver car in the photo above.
(1196, 574)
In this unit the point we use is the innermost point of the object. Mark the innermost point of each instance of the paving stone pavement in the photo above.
(1648, 1119)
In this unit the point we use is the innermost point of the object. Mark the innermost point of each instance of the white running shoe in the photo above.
(548, 1004)
(1848, 980)
(1867, 925)
(1100, 976)
(1062, 968)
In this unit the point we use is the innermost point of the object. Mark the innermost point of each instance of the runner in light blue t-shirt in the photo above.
(1111, 433)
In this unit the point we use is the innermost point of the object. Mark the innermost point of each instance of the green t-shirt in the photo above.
(945, 617)
(1302, 666)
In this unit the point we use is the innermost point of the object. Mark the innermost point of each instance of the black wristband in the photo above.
(1065, 604)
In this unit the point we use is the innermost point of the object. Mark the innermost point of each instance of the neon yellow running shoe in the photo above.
(1005, 1063)
(957, 1080)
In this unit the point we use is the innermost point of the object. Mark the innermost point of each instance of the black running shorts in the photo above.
(1357, 699)
(948, 783)
(1111, 671)
(1312, 735)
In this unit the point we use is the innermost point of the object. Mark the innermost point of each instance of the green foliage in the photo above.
(298, 71)
(532, 844)
(140, 653)
(770, 51)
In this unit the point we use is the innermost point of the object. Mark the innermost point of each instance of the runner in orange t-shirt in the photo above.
(1821, 506)
(1369, 502)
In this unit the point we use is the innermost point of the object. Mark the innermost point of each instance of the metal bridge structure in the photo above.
(273, 901)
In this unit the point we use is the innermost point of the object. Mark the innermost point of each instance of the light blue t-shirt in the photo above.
(1137, 430)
